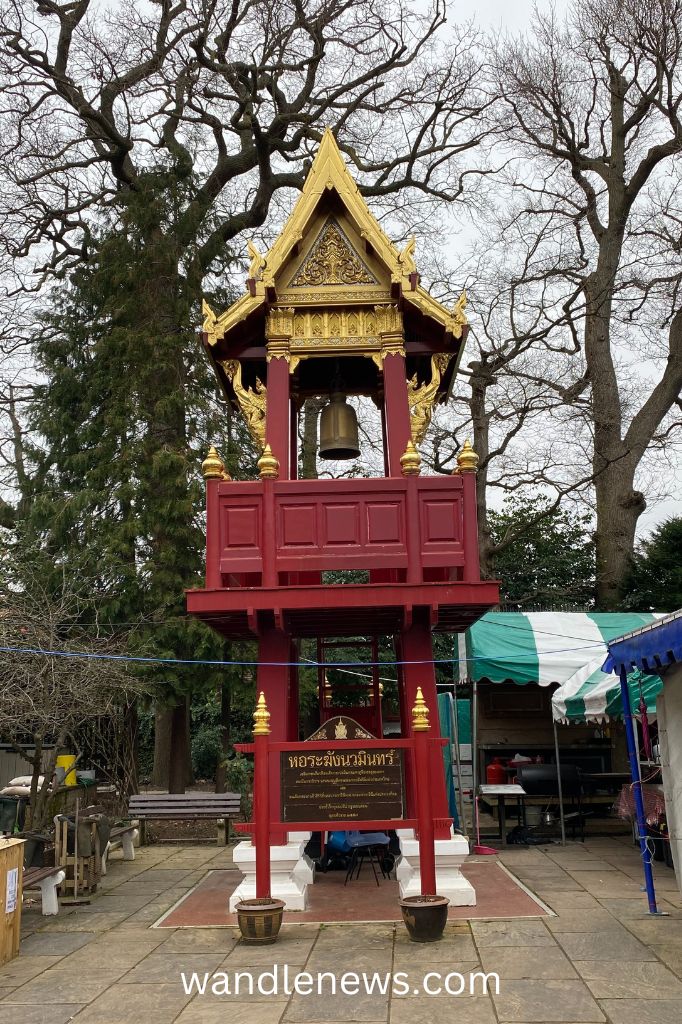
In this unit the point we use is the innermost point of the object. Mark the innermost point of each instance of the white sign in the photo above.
(12, 886)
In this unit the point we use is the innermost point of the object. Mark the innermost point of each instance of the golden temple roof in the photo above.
(332, 251)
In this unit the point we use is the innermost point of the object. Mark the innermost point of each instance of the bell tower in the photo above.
(334, 309)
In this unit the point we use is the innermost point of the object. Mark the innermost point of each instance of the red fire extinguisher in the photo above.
(495, 774)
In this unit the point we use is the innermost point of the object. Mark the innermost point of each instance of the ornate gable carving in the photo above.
(332, 260)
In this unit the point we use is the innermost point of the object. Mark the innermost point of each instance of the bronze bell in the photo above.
(338, 429)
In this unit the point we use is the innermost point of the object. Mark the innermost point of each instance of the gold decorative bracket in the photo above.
(209, 324)
(459, 317)
(421, 397)
(252, 404)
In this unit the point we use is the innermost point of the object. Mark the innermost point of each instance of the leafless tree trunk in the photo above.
(593, 128)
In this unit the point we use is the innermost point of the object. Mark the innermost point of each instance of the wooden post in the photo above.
(261, 797)
(427, 854)
(11, 867)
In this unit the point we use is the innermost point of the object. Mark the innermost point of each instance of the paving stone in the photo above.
(643, 1011)
(523, 962)
(636, 907)
(511, 933)
(109, 903)
(670, 955)
(287, 949)
(318, 1008)
(64, 987)
(14, 1013)
(354, 960)
(473, 1010)
(665, 930)
(629, 979)
(583, 920)
(608, 945)
(23, 968)
(200, 1011)
(166, 968)
(606, 884)
(453, 947)
(195, 939)
(560, 901)
(117, 957)
(586, 863)
(52, 943)
(348, 936)
(83, 923)
(123, 1004)
(553, 1001)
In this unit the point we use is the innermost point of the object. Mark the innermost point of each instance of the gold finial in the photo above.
(467, 459)
(261, 718)
(268, 466)
(410, 460)
(420, 713)
(213, 466)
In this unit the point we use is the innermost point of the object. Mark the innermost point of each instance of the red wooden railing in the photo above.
(265, 533)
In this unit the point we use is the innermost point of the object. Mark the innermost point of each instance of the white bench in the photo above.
(47, 880)
(124, 836)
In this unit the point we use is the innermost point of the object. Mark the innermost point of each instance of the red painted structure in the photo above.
(270, 541)
(423, 753)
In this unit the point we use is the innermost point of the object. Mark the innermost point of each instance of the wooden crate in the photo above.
(11, 869)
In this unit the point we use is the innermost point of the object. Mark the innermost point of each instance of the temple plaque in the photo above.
(359, 784)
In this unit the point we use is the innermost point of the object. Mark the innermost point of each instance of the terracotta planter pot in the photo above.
(260, 920)
(425, 917)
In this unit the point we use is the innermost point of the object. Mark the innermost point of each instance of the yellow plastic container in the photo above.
(67, 762)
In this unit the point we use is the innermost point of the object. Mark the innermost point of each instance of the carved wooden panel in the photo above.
(240, 536)
(340, 524)
(441, 530)
(385, 522)
(297, 525)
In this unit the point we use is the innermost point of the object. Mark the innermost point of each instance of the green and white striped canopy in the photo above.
(564, 648)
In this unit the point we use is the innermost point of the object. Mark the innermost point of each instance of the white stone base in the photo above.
(450, 855)
(291, 872)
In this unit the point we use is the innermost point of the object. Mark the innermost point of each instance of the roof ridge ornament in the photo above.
(258, 261)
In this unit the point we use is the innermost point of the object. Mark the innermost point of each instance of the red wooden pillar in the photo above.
(261, 801)
(277, 414)
(397, 410)
(293, 703)
(423, 765)
(273, 682)
(416, 647)
(214, 578)
(293, 441)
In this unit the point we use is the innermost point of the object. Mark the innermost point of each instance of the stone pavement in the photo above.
(602, 958)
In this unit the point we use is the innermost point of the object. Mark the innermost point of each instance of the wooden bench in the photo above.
(185, 806)
(47, 880)
(125, 836)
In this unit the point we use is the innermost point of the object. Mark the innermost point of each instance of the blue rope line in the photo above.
(200, 661)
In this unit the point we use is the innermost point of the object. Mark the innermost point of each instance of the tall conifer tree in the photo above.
(125, 415)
